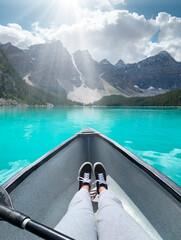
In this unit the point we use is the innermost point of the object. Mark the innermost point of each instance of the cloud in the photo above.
(115, 34)
(119, 34)
(17, 36)
(170, 33)
(169, 36)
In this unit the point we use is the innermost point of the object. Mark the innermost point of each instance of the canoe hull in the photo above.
(44, 189)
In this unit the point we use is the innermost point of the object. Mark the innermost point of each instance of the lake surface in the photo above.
(153, 134)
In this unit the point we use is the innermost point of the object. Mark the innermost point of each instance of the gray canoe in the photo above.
(44, 189)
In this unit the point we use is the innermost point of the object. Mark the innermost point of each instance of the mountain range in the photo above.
(78, 77)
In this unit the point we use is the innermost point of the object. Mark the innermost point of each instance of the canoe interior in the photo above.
(45, 192)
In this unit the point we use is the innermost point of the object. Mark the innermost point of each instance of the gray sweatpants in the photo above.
(113, 222)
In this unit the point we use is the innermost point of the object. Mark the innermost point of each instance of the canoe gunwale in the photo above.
(159, 177)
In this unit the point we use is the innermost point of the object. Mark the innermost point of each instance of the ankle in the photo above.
(102, 189)
(85, 187)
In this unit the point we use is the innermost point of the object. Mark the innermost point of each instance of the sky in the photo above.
(130, 30)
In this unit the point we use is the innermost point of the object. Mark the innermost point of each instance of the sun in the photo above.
(66, 9)
(64, 4)
(58, 12)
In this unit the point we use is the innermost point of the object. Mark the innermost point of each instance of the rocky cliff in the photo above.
(14, 91)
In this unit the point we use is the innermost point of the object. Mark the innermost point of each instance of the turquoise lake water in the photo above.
(153, 134)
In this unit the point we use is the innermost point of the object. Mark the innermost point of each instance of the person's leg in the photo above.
(113, 222)
(79, 221)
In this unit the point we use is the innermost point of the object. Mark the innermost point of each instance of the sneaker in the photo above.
(84, 175)
(100, 176)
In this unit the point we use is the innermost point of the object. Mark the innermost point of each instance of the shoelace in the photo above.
(85, 179)
(101, 179)
(93, 193)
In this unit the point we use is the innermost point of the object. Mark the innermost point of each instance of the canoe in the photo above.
(44, 189)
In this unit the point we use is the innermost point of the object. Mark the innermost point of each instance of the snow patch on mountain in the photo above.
(87, 95)
(79, 72)
(151, 88)
(27, 80)
(84, 95)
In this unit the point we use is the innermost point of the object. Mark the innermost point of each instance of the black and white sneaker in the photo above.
(100, 176)
(84, 175)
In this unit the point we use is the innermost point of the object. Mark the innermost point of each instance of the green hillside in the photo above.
(172, 98)
(12, 86)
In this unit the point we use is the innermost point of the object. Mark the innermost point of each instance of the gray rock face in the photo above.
(11, 102)
(18, 58)
(89, 69)
(105, 62)
(52, 67)
(120, 64)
